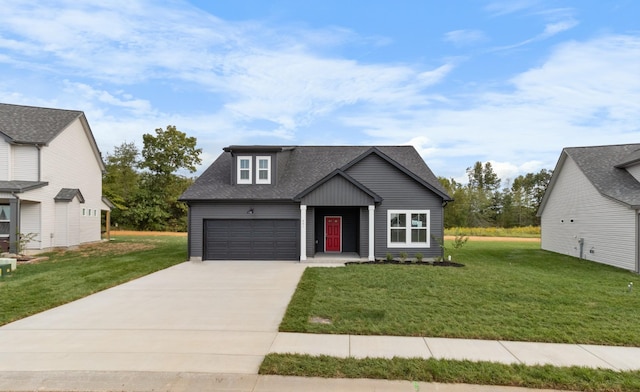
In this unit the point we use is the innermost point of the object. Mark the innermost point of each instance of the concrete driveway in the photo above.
(213, 317)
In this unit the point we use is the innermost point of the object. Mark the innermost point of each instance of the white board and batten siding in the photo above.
(576, 210)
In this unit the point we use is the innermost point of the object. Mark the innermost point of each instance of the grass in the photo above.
(506, 291)
(71, 275)
(523, 232)
(449, 371)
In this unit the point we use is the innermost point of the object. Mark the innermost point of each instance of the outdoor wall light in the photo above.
(250, 212)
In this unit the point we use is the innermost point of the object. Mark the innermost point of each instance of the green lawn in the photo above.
(70, 275)
(448, 371)
(507, 291)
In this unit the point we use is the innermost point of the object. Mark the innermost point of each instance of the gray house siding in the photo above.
(364, 232)
(399, 191)
(201, 211)
(337, 192)
(310, 229)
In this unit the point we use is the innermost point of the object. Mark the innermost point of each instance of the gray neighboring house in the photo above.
(294, 202)
(592, 204)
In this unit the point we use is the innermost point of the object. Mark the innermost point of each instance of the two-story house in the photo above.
(50, 178)
(294, 202)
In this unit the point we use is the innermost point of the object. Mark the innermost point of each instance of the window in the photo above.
(408, 229)
(244, 170)
(5, 216)
(84, 212)
(264, 170)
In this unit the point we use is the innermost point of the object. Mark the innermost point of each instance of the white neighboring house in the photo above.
(50, 178)
(592, 204)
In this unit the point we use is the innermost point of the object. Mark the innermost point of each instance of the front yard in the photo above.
(506, 291)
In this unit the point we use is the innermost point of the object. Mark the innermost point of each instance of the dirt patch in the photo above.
(106, 248)
(496, 239)
(147, 233)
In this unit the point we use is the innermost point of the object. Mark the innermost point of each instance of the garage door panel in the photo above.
(257, 239)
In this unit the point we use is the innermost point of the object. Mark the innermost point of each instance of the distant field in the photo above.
(522, 232)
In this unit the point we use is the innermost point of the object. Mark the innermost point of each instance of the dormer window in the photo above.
(244, 170)
(264, 170)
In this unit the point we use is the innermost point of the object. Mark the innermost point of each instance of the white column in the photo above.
(372, 232)
(303, 232)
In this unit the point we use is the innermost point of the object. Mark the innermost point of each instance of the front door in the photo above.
(333, 234)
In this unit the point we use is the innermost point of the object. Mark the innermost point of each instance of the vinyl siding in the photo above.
(69, 162)
(198, 212)
(575, 209)
(5, 161)
(24, 163)
(399, 191)
(337, 192)
(30, 222)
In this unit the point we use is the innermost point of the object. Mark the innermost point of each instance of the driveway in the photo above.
(213, 317)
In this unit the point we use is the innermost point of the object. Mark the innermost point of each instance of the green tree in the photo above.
(484, 196)
(164, 155)
(120, 181)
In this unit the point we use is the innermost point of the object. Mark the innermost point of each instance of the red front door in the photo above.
(333, 234)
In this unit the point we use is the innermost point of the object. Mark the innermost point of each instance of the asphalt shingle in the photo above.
(602, 165)
(34, 125)
(299, 168)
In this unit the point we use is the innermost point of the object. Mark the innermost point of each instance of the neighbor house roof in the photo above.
(67, 194)
(301, 167)
(20, 186)
(34, 125)
(604, 166)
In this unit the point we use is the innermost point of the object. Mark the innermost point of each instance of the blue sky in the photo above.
(511, 82)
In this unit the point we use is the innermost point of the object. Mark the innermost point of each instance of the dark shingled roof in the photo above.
(604, 168)
(20, 186)
(300, 167)
(34, 125)
(67, 194)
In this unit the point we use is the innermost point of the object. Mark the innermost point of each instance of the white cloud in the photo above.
(465, 37)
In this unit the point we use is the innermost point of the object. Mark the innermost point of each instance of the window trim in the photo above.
(258, 169)
(239, 170)
(408, 243)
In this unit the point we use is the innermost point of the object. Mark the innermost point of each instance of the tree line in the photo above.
(145, 185)
(483, 203)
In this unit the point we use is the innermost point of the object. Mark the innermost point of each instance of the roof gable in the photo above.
(331, 178)
(601, 166)
(39, 126)
(34, 125)
(68, 194)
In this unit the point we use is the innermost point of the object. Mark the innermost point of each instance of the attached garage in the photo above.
(251, 239)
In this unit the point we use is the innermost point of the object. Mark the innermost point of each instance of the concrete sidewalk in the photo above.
(506, 352)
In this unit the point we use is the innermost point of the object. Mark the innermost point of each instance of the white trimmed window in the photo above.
(244, 170)
(408, 229)
(264, 170)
